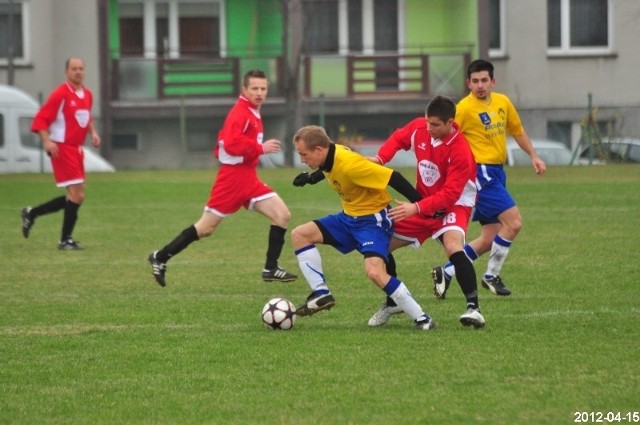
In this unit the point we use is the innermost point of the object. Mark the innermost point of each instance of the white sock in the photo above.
(499, 252)
(404, 300)
(310, 264)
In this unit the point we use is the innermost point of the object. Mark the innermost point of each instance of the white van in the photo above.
(20, 149)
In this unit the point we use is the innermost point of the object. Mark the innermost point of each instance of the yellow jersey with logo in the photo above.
(360, 183)
(485, 123)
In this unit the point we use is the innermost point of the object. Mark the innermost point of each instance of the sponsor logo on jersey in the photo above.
(485, 118)
(429, 172)
(82, 117)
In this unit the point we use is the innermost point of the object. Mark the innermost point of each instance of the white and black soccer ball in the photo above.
(279, 313)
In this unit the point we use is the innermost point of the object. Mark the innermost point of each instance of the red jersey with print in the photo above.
(240, 140)
(66, 115)
(238, 150)
(446, 170)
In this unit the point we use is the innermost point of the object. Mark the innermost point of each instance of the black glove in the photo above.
(311, 178)
(302, 179)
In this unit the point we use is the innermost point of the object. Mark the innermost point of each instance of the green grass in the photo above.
(88, 337)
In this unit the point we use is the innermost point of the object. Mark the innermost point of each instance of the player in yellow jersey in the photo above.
(365, 223)
(485, 118)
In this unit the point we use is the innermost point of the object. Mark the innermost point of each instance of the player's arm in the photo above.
(308, 178)
(236, 142)
(403, 187)
(399, 139)
(525, 144)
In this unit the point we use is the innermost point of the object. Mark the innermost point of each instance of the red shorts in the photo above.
(68, 165)
(235, 188)
(418, 228)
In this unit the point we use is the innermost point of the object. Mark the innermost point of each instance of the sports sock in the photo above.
(499, 252)
(391, 269)
(466, 277)
(310, 264)
(450, 270)
(183, 240)
(54, 205)
(274, 248)
(69, 220)
(400, 294)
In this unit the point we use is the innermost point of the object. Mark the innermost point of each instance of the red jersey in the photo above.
(66, 115)
(240, 140)
(238, 150)
(446, 170)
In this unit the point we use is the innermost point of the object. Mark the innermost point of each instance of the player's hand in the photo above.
(271, 146)
(302, 179)
(402, 211)
(538, 165)
(51, 148)
(95, 140)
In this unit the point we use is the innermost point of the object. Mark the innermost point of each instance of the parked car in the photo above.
(614, 149)
(552, 153)
(20, 149)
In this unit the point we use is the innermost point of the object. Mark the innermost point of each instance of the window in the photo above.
(320, 26)
(28, 139)
(173, 28)
(497, 28)
(350, 26)
(125, 142)
(13, 31)
(579, 26)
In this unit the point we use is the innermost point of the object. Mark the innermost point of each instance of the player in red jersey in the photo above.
(240, 144)
(63, 123)
(446, 173)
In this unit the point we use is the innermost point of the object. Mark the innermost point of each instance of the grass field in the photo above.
(88, 337)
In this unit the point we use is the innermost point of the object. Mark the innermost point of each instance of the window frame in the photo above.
(25, 59)
(566, 49)
(501, 51)
(174, 26)
(368, 29)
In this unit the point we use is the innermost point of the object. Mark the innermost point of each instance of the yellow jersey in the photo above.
(485, 123)
(360, 183)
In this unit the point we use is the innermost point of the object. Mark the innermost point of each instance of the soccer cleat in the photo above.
(316, 303)
(383, 314)
(27, 221)
(440, 282)
(496, 286)
(158, 268)
(472, 317)
(69, 245)
(278, 275)
(424, 323)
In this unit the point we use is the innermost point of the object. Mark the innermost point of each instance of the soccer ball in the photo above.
(279, 313)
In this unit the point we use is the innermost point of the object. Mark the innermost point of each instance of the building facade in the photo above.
(165, 72)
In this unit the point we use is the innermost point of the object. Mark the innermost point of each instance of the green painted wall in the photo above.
(254, 28)
(433, 25)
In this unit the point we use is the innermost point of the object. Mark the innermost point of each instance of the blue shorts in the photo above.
(493, 197)
(369, 234)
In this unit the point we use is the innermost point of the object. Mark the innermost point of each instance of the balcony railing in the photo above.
(152, 79)
(393, 75)
(328, 76)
